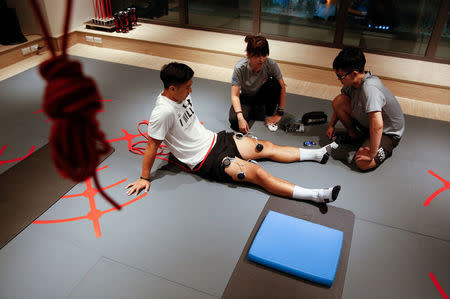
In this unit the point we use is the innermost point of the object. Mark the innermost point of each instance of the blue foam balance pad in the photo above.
(308, 250)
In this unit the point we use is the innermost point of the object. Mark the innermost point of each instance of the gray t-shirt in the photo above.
(372, 96)
(249, 81)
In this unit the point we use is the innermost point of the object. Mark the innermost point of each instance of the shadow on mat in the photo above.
(174, 169)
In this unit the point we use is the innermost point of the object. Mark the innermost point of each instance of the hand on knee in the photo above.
(363, 164)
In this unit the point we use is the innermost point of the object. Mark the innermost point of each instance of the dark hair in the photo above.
(257, 45)
(350, 59)
(175, 74)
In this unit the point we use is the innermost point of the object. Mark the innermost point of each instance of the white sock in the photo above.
(316, 195)
(320, 155)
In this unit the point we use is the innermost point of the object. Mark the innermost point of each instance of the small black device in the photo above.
(259, 147)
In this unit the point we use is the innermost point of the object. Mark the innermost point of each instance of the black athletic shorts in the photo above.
(387, 145)
(212, 168)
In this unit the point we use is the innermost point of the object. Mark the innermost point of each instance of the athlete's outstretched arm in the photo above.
(147, 164)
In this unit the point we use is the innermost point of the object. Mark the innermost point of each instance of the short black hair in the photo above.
(175, 74)
(350, 59)
(257, 45)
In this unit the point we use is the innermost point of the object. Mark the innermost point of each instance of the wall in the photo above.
(53, 12)
(82, 11)
(25, 15)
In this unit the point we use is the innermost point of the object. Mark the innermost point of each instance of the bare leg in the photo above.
(256, 175)
(284, 154)
(248, 149)
(343, 110)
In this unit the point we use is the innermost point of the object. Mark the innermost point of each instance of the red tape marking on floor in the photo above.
(94, 214)
(438, 286)
(17, 159)
(432, 196)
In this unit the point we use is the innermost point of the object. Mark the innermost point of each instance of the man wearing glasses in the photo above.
(367, 109)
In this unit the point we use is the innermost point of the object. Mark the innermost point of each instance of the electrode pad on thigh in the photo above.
(227, 162)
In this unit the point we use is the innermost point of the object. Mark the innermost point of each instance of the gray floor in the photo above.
(21, 128)
(183, 239)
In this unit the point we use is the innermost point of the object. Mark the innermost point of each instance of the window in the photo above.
(227, 14)
(166, 10)
(443, 49)
(304, 19)
(397, 26)
(393, 25)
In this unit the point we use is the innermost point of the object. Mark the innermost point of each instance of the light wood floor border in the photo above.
(438, 95)
(312, 86)
(13, 54)
(10, 55)
(396, 68)
(31, 39)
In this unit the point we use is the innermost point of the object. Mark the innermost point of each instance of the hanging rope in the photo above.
(72, 101)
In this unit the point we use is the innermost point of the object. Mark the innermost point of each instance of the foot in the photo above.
(326, 150)
(328, 195)
(320, 155)
(272, 127)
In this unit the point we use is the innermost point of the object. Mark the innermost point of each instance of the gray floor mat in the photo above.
(28, 190)
(23, 127)
(101, 282)
(191, 231)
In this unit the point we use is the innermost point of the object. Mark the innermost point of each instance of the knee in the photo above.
(340, 102)
(232, 118)
(261, 176)
(232, 115)
(268, 148)
(363, 166)
(267, 144)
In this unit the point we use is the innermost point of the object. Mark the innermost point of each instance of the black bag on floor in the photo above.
(314, 117)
